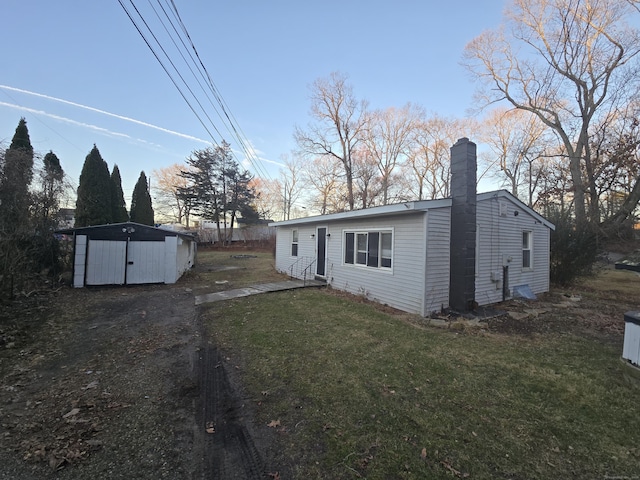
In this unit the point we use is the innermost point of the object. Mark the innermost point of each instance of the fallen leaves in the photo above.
(210, 428)
(274, 423)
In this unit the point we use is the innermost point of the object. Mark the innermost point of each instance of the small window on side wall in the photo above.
(294, 243)
(527, 250)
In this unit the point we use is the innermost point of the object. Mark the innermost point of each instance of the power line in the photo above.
(222, 109)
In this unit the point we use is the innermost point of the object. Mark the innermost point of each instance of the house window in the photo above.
(527, 250)
(294, 243)
(370, 249)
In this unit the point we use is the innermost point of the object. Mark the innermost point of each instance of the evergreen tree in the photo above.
(141, 208)
(118, 206)
(93, 206)
(46, 200)
(15, 180)
(16, 227)
(51, 178)
(218, 187)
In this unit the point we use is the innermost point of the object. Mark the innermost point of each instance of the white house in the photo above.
(129, 253)
(423, 256)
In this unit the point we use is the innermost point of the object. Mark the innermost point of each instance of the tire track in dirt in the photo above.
(228, 449)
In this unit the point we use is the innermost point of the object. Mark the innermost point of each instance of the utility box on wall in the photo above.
(631, 347)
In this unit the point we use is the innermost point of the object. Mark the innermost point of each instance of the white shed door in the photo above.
(106, 262)
(145, 262)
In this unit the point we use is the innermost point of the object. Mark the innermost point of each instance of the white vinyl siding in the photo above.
(501, 244)
(306, 243)
(437, 268)
(401, 284)
(413, 263)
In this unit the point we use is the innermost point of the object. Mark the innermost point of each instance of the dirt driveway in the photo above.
(115, 383)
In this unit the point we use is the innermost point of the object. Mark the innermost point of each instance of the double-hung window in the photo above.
(527, 250)
(294, 243)
(369, 248)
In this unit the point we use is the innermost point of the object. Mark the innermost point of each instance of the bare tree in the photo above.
(516, 141)
(428, 161)
(368, 184)
(339, 122)
(569, 62)
(616, 166)
(169, 203)
(328, 190)
(291, 183)
(268, 201)
(388, 140)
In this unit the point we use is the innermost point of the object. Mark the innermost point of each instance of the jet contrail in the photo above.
(97, 110)
(64, 119)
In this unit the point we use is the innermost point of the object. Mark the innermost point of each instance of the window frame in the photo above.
(295, 235)
(359, 252)
(527, 247)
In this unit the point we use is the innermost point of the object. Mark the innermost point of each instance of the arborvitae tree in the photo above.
(16, 230)
(15, 181)
(93, 206)
(46, 201)
(51, 177)
(118, 206)
(141, 208)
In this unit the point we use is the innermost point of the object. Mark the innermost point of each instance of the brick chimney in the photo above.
(462, 281)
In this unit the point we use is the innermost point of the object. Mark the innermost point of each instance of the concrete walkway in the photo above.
(256, 289)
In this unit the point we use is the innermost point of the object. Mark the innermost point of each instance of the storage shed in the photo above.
(129, 253)
(423, 256)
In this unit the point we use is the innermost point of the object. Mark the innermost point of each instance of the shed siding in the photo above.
(436, 293)
(172, 259)
(79, 260)
(500, 243)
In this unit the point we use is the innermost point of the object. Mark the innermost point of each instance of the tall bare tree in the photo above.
(516, 141)
(170, 204)
(268, 201)
(570, 62)
(368, 184)
(428, 161)
(388, 139)
(338, 124)
(291, 183)
(328, 191)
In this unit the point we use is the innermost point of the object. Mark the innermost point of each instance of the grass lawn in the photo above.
(355, 392)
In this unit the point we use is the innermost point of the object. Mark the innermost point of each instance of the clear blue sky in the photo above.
(261, 55)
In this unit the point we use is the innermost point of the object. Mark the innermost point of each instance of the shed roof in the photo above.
(117, 231)
(408, 207)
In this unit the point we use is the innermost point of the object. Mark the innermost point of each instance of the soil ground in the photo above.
(115, 383)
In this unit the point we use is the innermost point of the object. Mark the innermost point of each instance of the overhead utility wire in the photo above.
(175, 44)
(237, 131)
(174, 67)
(166, 71)
(229, 123)
(234, 131)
